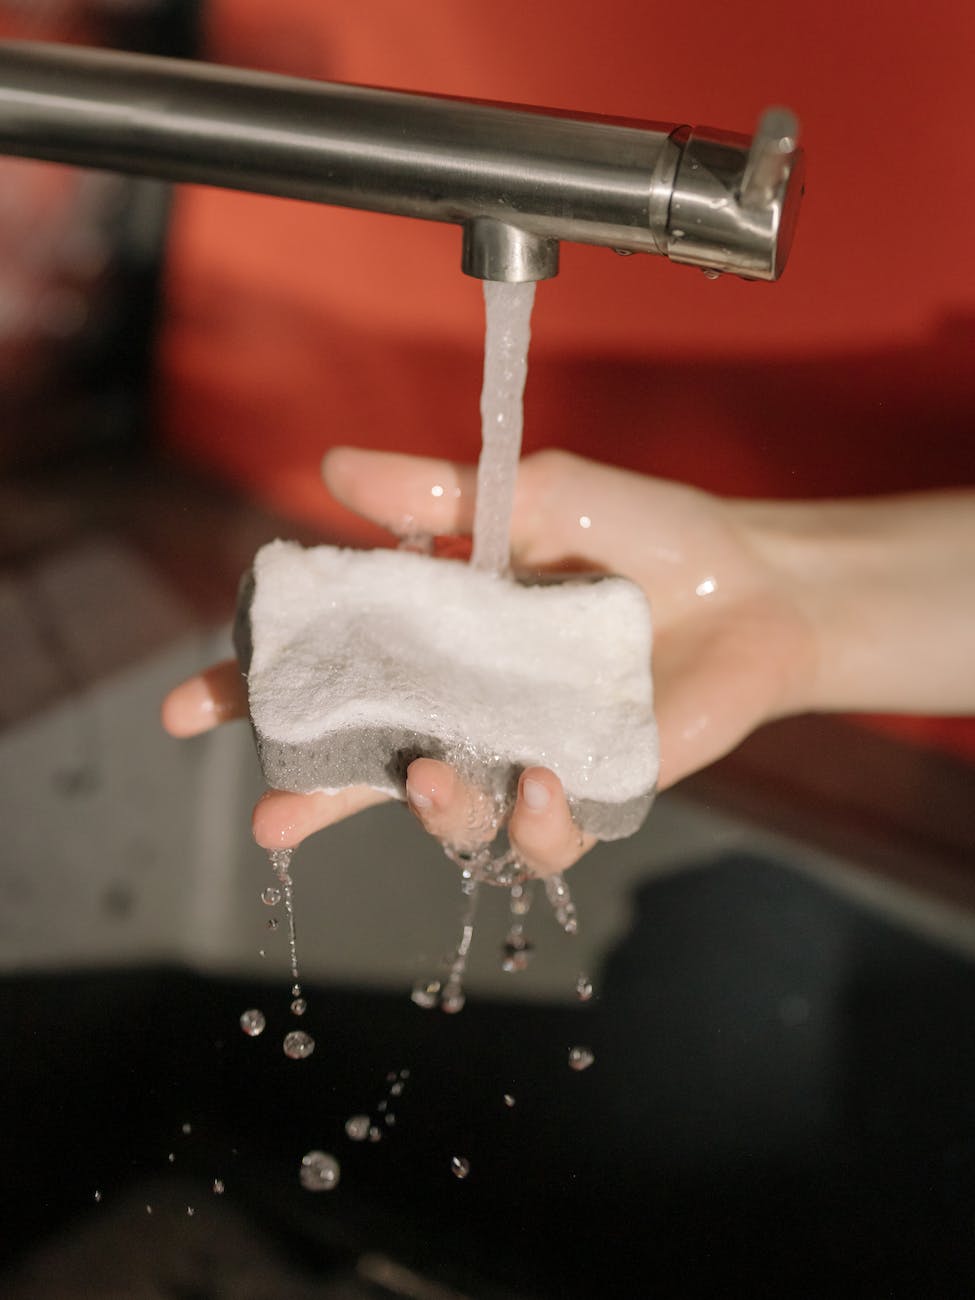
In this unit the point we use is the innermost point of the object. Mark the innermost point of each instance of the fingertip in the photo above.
(273, 824)
(430, 787)
(282, 819)
(542, 830)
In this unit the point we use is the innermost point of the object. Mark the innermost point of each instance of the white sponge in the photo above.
(357, 662)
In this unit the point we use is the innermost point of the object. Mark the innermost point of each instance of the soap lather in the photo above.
(358, 662)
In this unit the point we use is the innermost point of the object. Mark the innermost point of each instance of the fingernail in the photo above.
(535, 794)
(417, 799)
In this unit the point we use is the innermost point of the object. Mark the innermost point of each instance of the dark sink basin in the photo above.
(782, 1103)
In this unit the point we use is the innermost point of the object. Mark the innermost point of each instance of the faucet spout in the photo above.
(518, 181)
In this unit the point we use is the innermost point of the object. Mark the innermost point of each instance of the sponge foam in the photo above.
(357, 662)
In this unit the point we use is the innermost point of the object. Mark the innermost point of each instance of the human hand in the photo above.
(731, 647)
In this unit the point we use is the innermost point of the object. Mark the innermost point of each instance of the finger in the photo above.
(282, 820)
(204, 701)
(455, 813)
(541, 829)
(406, 494)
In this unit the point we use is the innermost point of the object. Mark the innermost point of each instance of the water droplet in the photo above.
(357, 1128)
(382, 1106)
(296, 990)
(252, 1023)
(583, 988)
(148, 1209)
(271, 896)
(273, 923)
(390, 1120)
(580, 1058)
(261, 952)
(391, 1077)
(623, 252)
(188, 1128)
(375, 1133)
(404, 1074)
(98, 1196)
(299, 1007)
(426, 993)
(710, 273)
(459, 1167)
(298, 1045)
(509, 1101)
(516, 953)
(218, 1187)
(171, 1157)
(396, 1090)
(585, 521)
(453, 1002)
(319, 1172)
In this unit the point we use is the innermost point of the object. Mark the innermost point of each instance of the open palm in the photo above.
(731, 649)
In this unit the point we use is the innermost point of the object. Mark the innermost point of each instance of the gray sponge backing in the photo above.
(358, 662)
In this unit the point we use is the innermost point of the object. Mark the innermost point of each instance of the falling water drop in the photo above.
(298, 1007)
(509, 1101)
(218, 1187)
(319, 1172)
(252, 1023)
(397, 1089)
(98, 1196)
(580, 1058)
(375, 1133)
(298, 1046)
(271, 896)
(425, 993)
(357, 1127)
(459, 1167)
(583, 988)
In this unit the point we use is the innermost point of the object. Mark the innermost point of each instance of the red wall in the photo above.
(292, 327)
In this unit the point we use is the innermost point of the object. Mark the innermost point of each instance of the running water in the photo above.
(280, 860)
(508, 310)
(449, 993)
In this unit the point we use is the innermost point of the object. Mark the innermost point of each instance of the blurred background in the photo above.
(786, 951)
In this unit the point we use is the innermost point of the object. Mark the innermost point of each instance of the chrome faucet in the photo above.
(517, 180)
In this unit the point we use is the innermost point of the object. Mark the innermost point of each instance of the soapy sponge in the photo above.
(358, 662)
